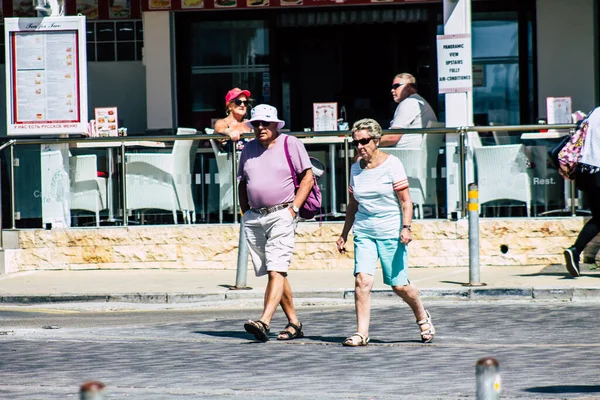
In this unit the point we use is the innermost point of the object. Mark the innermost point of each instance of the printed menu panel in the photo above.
(46, 77)
(325, 117)
(106, 121)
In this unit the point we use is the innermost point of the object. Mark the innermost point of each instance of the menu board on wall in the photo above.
(46, 78)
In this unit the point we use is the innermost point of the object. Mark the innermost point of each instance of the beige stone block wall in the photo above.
(440, 243)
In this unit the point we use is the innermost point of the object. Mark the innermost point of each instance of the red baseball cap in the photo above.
(235, 93)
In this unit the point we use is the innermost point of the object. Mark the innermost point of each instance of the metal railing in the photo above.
(462, 132)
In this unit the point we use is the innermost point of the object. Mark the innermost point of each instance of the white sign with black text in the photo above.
(46, 75)
(455, 74)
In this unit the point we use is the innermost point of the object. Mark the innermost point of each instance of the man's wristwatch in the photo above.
(295, 209)
(406, 227)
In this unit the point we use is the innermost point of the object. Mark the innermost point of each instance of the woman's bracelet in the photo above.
(406, 227)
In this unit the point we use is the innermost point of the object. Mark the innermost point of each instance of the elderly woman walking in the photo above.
(379, 213)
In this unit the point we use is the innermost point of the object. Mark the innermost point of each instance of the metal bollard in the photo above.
(242, 262)
(93, 390)
(487, 376)
(473, 213)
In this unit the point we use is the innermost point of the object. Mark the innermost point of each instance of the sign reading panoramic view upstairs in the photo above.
(46, 75)
(455, 70)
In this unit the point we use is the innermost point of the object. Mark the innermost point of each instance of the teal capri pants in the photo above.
(391, 253)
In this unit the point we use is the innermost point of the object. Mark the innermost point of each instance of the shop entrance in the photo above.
(352, 65)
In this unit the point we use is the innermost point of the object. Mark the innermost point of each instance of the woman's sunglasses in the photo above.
(364, 141)
(239, 102)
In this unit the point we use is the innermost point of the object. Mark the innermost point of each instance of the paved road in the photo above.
(545, 350)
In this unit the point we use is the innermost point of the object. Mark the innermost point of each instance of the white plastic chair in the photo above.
(163, 181)
(225, 168)
(421, 168)
(502, 174)
(88, 191)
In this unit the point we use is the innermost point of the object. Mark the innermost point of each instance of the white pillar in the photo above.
(459, 106)
(158, 62)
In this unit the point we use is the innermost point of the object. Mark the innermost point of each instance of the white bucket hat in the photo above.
(267, 113)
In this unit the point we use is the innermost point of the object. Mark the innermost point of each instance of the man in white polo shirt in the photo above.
(412, 112)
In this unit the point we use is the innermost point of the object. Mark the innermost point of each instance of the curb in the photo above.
(461, 294)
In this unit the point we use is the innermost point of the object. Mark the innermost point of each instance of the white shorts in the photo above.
(270, 240)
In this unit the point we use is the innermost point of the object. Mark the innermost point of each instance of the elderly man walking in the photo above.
(412, 112)
(270, 203)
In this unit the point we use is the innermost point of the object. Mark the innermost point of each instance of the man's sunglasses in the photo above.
(239, 102)
(364, 141)
(397, 85)
(257, 124)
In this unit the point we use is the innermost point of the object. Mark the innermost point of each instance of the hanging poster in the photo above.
(120, 9)
(225, 3)
(46, 79)
(192, 4)
(89, 8)
(159, 4)
(257, 3)
(325, 116)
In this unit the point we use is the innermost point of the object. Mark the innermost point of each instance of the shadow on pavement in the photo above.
(241, 334)
(590, 270)
(565, 389)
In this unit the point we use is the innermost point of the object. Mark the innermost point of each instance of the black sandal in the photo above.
(287, 335)
(259, 329)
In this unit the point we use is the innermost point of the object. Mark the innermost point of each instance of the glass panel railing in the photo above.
(84, 182)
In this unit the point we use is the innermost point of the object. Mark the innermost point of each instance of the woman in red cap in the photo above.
(233, 125)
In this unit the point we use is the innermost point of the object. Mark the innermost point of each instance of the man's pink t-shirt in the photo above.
(267, 173)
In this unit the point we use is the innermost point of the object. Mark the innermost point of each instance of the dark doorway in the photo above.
(353, 65)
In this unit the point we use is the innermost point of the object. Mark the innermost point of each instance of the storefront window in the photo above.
(496, 72)
(227, 54)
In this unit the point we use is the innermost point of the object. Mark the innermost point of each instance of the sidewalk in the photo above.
(185, 286)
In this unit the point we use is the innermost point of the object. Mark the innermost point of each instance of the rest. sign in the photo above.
(455, 73)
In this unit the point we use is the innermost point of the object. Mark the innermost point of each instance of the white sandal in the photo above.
(351, 343)
(428, 332)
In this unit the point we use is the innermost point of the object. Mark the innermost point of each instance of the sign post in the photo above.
(455, 67)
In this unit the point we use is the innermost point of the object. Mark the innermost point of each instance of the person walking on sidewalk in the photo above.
(380, 213)
(587, 179)
(270, 206)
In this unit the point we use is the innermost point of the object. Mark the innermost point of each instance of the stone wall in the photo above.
(515, 241)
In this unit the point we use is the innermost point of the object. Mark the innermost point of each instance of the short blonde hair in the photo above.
(407, 77)
(369, 125)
